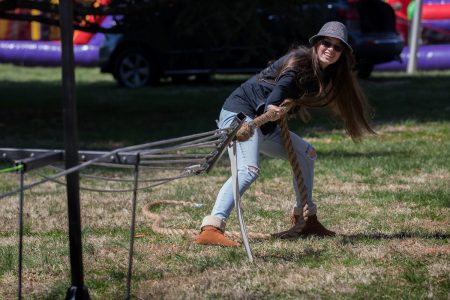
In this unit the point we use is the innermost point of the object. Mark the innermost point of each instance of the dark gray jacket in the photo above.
(257, 93)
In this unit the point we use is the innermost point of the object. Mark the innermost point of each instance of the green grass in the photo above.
(387, 197)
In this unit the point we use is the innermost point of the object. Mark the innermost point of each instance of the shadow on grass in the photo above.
(372, 154)
(349, 239)
(309, 254)
(397, 96)
(110, 117)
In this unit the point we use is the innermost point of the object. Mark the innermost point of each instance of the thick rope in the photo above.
(295, 167)
(246, 130)
(157, 220)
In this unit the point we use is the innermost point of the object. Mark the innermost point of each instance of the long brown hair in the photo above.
(336, 88)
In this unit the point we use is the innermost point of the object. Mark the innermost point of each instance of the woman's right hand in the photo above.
(275, 112)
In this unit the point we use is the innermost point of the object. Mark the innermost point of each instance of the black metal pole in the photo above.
(19, 294)
(77, 289)
(132, 228)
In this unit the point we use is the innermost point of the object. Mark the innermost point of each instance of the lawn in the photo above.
(388, 197)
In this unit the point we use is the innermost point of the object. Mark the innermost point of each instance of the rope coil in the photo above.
(157, 220)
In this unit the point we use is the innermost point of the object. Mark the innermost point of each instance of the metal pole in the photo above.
(237, 200)
(21, 174)
(414, 38)
(77, 289)
(132, 228)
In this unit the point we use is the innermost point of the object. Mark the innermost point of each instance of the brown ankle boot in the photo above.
(293, 232)
(312, 227)
(211, 235)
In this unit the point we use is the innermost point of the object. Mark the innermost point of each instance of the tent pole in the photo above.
(414, 38)
(77, 289)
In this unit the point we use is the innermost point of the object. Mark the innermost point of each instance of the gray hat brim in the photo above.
(315, 38)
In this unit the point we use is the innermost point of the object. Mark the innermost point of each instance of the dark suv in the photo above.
(180, 38)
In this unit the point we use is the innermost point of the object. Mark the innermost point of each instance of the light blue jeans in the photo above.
(248, 164)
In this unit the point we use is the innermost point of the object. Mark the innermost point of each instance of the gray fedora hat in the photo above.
(332, 29)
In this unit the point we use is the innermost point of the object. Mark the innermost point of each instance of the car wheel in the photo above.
(364, 71)
(134, 69)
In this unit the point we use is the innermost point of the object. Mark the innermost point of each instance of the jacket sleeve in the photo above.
(285, 87)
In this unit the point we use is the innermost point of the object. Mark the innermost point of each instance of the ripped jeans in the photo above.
(248, 164)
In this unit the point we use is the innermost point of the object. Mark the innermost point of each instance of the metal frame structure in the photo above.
(31, 159)
(150, 155)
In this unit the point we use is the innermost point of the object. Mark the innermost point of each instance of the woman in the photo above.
(320, 76)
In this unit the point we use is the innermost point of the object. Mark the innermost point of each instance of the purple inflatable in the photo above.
(430, 57)
(437, 24)
(39, 53)
(43, 53)
(436, 1)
